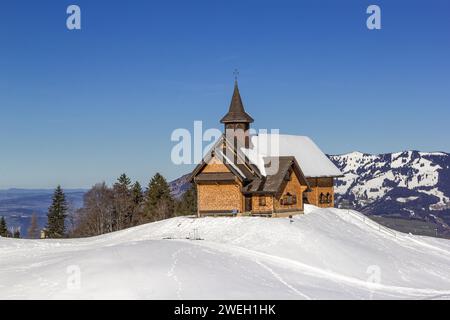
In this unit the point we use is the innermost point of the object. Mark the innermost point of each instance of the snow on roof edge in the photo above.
(311, 159)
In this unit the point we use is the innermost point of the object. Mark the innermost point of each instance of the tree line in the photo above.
(123, 205)
(107, 209)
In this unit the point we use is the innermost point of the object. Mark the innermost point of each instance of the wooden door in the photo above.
(248, 203)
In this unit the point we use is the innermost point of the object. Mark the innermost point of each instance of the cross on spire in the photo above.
(236, 113)
(236, 74)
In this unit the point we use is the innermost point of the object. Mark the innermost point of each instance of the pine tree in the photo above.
(33, 230)
(57, 214)
(123, 202)
(187, 205)
(124, 181)
(3, 228)
(137, 194)
(159, 203)
(138, 198)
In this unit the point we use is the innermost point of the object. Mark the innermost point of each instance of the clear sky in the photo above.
(80, 107)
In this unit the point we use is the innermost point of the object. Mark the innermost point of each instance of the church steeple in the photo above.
(236, 113)
(237, 121)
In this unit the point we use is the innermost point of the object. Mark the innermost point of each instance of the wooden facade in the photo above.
(322, 192)
(229, 198)
(239, 188)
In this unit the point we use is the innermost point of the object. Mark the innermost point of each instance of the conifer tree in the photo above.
(159, 203)
(138, 198)
(33, 230)
(57, 214)
(3, 228)
(124, 181)
(187, 205)
(123, 202)
(137, 194)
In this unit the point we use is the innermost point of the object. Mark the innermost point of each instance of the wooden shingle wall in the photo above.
(256, 204)
(219, 197)
(321, 186)
(293, 187)
(215, 165)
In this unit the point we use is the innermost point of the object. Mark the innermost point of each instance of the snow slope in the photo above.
(326, 253)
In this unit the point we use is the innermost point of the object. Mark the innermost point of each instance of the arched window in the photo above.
(329, 198)
(322, 198)
(288, 199)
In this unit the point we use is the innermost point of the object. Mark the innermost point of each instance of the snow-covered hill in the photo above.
(326, 253)
(406, 184)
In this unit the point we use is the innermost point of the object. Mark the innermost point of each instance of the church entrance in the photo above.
(248, 203)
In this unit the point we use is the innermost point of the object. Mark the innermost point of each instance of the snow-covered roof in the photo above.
(312, 161)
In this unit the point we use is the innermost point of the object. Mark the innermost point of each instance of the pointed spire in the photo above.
(236, 112)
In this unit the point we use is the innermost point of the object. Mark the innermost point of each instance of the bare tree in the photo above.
(33, 230)
(97, 215)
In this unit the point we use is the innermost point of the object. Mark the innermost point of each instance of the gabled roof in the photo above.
(244, 170)
(236, 113)
(312, 161)
(272, 184)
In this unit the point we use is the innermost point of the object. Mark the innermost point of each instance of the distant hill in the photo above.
(17, 205)
(179, 186)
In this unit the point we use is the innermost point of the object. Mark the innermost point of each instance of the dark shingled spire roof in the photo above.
(236, 112)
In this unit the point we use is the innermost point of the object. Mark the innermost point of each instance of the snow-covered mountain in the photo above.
(325, 253)
(402, 184)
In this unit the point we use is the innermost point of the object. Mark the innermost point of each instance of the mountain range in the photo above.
(407, 185)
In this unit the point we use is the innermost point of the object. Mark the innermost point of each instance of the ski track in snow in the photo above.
(171, 272)
(320, 273)
(279, 278)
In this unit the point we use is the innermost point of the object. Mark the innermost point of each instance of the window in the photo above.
(322, 198)
(288, 199)
(325, 198)
(262, 201)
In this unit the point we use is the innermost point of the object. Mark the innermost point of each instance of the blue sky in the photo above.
(80, 107)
